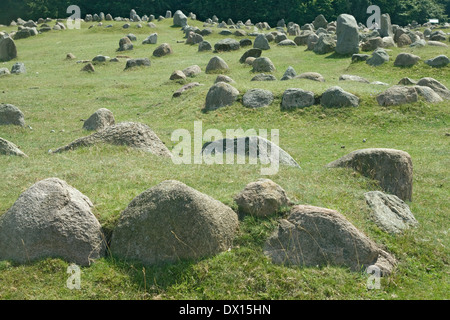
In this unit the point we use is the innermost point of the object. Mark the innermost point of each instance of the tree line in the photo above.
(402, 12)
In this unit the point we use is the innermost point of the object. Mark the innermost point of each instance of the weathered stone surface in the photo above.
(359, 57)
(263, 64)
(163, 50)
(216, 64)
(257, 98)
(438, 62)
(406, 60)
(347, 35)
(51, 220)
(139, 62)
(192, 71)
(386, 26)
(179, 19)
(289, 74)
(255, 52)
(294, 98)
(378, 57)
(262, 198)
(172, 222)
(226, 45)
(336, 97)
(261, 42)
(348, 77)
(255, 147)
(10, 149)
(428, 94)
(99, 120)
(220, 95)
(224, 78)
(11, 115)
(314, 76)
(135, 135)
(8, 49)
(325, 44)
(185, 88)
(204, 46)
(89, 67)
(389, 212)
(125, 44)
(438, 87)
(397, 95)
(177, 75)
(312, 236)
(392, 168)
(18, 68)
(264, 77)
(151, 39)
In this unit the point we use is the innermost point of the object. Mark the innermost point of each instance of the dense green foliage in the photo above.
(300, 11)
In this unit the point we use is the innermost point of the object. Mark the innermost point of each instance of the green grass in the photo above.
(55, 95)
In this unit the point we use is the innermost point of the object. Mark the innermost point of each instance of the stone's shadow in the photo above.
(335, 55)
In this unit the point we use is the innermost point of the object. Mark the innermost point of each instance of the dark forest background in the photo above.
(402, 12)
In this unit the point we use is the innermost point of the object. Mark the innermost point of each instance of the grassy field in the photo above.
(54, 96)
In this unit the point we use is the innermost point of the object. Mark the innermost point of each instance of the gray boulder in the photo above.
(336, 97)
(261, 42)
(320, 22)
(4, 72)
(406, 60)
(192, 71)
(10, 149)
(264, 77)
(428, 94)
(179, 19)
(392, 168)
(438, 87)
(389, 212)
(224, 78)
(386, 26)
(226, 45)
(11, 115)
(220, 95)
(438, 62)
(289, 74)
(99, 120)
(172, 222)
(349, 77)
(125, 44)
(325, 44)
(312, 236)
(257, 98)
(379, 56)
(204, 46)
(134, 135)
(151, 39)
(254, 147)
(294, 98)
(254, 52)
(263, 64)
(51, 220)
(313, 76)
(262, 198)
(18, 68)
(138, 62)
(8, 49)
(347, 35)
(397, 95)
(163, 50)
(216, 64)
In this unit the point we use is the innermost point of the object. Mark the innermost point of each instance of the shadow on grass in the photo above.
(337, 56)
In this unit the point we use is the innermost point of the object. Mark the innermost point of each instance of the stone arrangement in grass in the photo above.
(172, 221)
